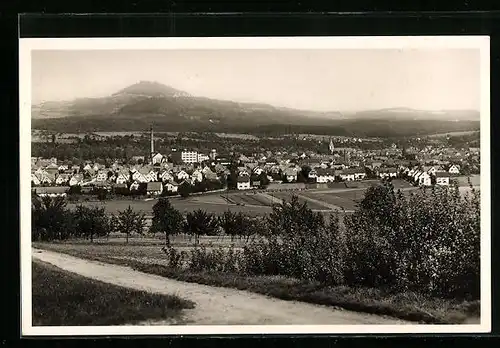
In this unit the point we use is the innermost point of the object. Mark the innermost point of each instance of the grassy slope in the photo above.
(406, 305)
(62, 298)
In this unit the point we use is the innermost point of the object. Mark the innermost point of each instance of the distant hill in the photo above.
(137, 106)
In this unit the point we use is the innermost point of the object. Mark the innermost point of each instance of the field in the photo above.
(212, 205)
(452, 134)
(237, 136)
(62, 298)
(260, 203)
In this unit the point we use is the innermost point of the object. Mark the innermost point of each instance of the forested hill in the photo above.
(136, 107)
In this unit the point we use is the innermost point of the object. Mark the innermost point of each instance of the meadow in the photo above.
(61, 298)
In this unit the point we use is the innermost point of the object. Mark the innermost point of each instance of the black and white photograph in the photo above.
(255, 185)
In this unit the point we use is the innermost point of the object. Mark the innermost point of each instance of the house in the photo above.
(62, 179)
(430, 169)
(347, 174)
(154, 188)
(387, 173)
(134, 186)
(197, 176)
(442, 178)
(122, 178)
(290, 174)
(313, 174)
(35, 180)
(62, 167)
(46, 178)
(87, 167)
(76, 179)
(52, 169)
(102, 175)
(182, 175)
(171, 187)
(157, 158)
(243, 183)
(152, 175)
(165, 176)
(424, 179)
(139, 177)
(202, 158)
(454, 169)
(359, 174)
(325, 175)
(242, 171)
(257, 170)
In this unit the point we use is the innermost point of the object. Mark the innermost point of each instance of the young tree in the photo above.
(229, 224)
(127, 222)
(166, 219)
(199, 223)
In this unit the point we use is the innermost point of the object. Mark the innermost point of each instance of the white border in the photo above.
(417, 42)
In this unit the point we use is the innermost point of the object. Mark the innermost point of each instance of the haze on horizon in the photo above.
(316, 80)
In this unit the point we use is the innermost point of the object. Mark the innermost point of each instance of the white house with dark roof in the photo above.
(424, 179)
(76, 179)
(154, 188)
(387, 173)
(166, 176)
(442, 178)
(325, 175)
(290, 174)
(454, 169)
(171, 187)
(243, 183)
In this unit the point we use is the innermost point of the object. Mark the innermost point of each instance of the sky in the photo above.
(321, 79)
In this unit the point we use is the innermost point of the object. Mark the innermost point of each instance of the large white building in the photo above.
(202, 158)
(189, 156)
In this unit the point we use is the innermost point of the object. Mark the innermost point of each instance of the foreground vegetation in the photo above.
(62, 298)
(403, 305)
(394, 248)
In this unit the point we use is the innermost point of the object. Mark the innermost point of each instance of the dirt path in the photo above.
(214, 306)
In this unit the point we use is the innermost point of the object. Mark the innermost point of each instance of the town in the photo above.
(198, 171)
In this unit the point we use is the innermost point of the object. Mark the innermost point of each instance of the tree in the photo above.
(128, 222)
(199, 223)
(184, 189)
(228, 221)
(75, 190)
(102, 194)
(50, 218)
(90, 222)
(166, 219)
(264, 180)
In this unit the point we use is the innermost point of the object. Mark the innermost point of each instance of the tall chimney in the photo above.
(152, 144)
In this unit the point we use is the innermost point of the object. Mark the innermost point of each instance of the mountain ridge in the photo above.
(151, 102)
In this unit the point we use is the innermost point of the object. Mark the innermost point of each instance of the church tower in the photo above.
(331, 147)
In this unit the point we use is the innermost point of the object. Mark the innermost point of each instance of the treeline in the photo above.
(52, 220)
(387, 127)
